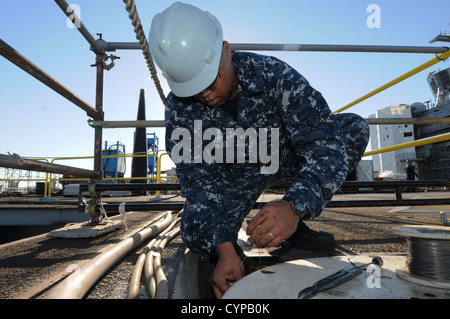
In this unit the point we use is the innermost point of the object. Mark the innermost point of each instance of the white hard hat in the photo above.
(186, 44)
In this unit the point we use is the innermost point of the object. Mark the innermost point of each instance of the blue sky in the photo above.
(37, 122)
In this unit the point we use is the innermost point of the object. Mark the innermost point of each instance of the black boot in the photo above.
(307, 239)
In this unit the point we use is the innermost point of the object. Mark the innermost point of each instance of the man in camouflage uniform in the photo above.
(313, 151)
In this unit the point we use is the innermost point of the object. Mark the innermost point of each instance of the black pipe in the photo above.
(131, 187)
(177, 206)
(345, 185)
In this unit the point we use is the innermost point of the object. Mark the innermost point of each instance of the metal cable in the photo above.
(428, 258)
(130, 6)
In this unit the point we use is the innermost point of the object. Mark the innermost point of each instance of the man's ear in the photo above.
(227, 49)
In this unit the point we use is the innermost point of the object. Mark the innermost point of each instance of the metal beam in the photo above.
(122, 124)
(79, 25)
(414, 120)
(347, 184)
(177, 206)
(15, 161)
(22, 62)
(112, 46)
(370, 121)
(98, 136)
(336, 48)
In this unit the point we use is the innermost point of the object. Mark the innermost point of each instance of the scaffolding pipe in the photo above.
(423, 141)
(370, 121)
(112, 46)
(420, 68)
(346, 184)
(22, 62)
(178, 206)
(126, 124)
(414, 120)
(16, 161)
(336, 48)
(130, 187)
(76, 285)
(98, 135)
(71, 14)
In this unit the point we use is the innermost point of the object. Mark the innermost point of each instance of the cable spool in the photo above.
(428, 255)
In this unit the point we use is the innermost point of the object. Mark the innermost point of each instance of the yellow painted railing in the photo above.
(420, 68)
(158, 170)
(428, 140)
(49, 177)
(414, 71)
(31, 180)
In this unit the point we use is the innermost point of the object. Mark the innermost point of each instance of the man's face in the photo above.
(224, 86)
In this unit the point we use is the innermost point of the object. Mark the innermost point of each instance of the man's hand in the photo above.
(229, 269)
(274, 223)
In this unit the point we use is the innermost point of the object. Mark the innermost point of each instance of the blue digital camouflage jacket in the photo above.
(273, 97)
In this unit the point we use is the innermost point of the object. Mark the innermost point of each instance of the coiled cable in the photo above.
(429, 258)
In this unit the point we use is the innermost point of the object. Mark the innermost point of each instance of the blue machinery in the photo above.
(115, 167)
(152, 149)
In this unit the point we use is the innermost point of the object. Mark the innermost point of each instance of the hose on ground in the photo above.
(162, 285)
(76, 285)
(144, 268)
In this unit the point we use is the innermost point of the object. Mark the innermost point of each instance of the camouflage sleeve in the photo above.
(316, 138)
(210, 216)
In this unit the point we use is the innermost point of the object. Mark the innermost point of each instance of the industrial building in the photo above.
(432, 161)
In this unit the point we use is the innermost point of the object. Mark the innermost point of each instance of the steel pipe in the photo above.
(79, 25)
(76, 285)
(386, 203)
(15, 161)
(414, 120)
(347, 184)
(130, 187)
(123, 124)
(112, 46)
(22, 62)
(98, 131)
(177, 206)
(370, 121)
(336, 48)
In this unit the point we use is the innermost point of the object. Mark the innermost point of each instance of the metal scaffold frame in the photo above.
(100, 47)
